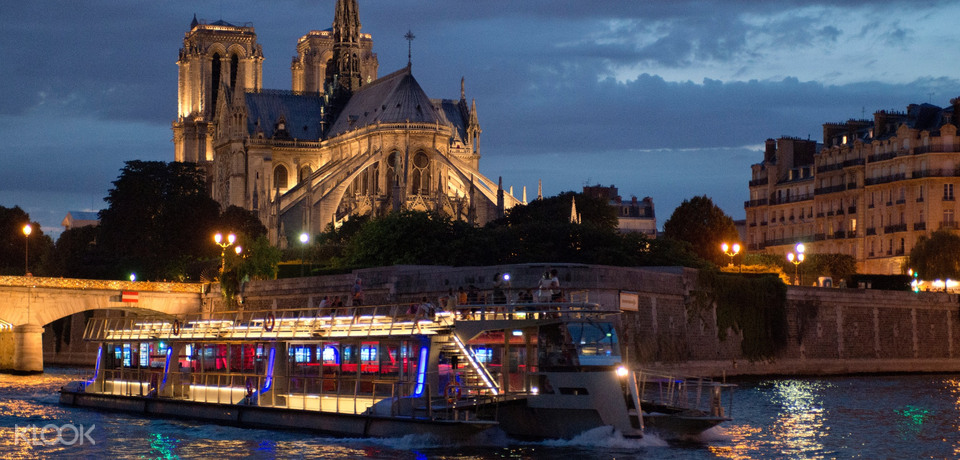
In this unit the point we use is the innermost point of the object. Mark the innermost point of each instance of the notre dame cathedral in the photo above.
(341, 142)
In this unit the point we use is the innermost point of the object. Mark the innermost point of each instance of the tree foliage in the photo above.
(14, 249)
(158, 222)
(937, 256)
(702, 224)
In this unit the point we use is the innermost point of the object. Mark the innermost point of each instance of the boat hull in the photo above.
(335, 424)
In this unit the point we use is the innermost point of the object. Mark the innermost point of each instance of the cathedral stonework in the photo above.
(342, 142)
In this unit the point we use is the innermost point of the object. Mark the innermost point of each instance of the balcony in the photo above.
(852, 234)
(830, 189)
(763, 222)
(840, 234)
(791, 199)
(902, 201)
(761, 181)
(819, 214)
(920, 226)
(851, 185)
(819, 237)
(753, 224)
(920, 199)
(852, 210)
(840, 212)
(881, 156)
(895, 228)
(755, 203)
(948, 224)
(828, 168)
(936, 173)
(871, 231)
(884, 179)
(853, 162)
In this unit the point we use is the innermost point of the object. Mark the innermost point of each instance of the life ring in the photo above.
(176, 327)
(269, 322)
(452, 392)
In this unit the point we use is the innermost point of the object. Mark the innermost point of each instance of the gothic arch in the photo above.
(281, 178)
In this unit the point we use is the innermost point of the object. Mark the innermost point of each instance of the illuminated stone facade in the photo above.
(342, 142)
(634, 216)
(870, 190)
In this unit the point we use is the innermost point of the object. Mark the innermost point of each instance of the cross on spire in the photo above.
(409, 36)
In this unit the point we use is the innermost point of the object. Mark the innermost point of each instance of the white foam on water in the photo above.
(606, 437)
(714, 434)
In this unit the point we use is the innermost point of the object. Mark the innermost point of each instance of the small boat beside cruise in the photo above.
(551, 370)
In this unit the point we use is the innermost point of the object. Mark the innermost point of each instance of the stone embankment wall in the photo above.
(829, 331)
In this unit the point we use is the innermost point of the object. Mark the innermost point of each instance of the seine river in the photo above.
(903, 416)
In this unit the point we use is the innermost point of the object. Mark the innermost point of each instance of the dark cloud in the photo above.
(566, 89)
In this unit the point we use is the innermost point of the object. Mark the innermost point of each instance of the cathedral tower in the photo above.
(214, 55)
(341, 53)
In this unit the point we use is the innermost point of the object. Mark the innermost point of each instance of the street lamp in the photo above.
(27, 229)
(224, 244)
(796, 259)
(304, 238)
(731, 251)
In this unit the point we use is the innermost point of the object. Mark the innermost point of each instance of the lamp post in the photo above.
(796, 258)
(27, 230)
(224, 244)
(304, 238)
(731, 251)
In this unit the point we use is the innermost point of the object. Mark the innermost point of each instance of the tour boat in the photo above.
(551, 370)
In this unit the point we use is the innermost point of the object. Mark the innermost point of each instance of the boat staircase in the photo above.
(474, 377)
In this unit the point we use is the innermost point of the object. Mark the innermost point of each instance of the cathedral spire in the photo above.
(346, 45)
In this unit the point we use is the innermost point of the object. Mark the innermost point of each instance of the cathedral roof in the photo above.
(452, 113)
(395, 98)
(302, 113)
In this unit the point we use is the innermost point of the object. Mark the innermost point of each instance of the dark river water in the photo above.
(903, 416)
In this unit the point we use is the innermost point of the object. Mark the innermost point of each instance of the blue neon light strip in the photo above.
(166, 367)
(96, 370)
(421, 372)
(269, 380)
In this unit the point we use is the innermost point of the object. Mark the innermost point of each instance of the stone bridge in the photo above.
(27, 304)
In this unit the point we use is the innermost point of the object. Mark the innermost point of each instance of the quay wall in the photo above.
(829, 330)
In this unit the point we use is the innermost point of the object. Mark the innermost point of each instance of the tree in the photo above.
(159, 221)
(245, 224)
(937, 256)
(14, 251)
(75, 254)
(702, 224)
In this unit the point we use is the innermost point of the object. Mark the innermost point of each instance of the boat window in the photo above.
(596, 343)
(554, 349)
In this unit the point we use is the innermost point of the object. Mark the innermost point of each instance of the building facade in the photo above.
(341, 142)
(632, 216)
(870, 190)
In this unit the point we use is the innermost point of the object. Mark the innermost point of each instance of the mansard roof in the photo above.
(925, 117)
(395, 98)
(302, 113)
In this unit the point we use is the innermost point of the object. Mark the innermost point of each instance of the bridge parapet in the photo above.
(74, 283)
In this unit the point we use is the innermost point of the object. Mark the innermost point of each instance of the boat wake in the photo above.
(608, 438)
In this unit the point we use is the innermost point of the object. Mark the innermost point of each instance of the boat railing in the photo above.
(531, 310)
(688, 394)
(353, 321)
(357, 321)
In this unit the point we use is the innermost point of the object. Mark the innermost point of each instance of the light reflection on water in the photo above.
(869, 417)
